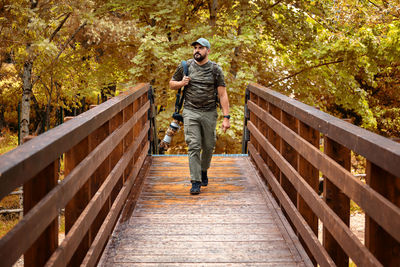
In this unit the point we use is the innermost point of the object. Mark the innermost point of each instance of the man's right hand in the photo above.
(175, 85)
(185, 81)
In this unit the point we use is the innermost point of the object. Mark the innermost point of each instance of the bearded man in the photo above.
(204, 85)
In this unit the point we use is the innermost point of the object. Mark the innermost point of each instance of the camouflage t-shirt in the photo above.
(202, 89)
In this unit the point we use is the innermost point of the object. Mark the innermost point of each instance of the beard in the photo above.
(198, 57)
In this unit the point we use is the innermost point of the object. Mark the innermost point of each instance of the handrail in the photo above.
(104, 149)
(285, 146)
(379, 150)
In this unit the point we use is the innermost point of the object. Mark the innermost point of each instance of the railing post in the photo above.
(385, 248)
(311, 175)
(114, 123)
(34, 190)
(128, 139)
(290, 155)
(336, 200)
(153, 138)
(78, 203)
(274, 139)
(253, 119)
(263, 127)
(98, 177)
(246, 133)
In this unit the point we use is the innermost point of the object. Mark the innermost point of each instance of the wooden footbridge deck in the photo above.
(235, 220)
(124, 205)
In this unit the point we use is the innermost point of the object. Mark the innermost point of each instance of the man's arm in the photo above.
(179, 84)
(223, 99)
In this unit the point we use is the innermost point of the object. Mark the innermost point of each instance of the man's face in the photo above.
(200, 52)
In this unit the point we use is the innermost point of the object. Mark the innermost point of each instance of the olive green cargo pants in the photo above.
(200, 136)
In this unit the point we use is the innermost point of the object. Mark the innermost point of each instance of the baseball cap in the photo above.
(203, 42)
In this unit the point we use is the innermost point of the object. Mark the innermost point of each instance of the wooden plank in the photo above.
(47, 209)
(50, 145)
(336, 200)
(106, 229)
(379, 150)
(211, 264)
(79, 229)
(227, 237)
(379, 242)
(380, 209)
(301, 225)
(154, 247)
(273, 257)
(202, 219)
(33, 192)
(333, 223)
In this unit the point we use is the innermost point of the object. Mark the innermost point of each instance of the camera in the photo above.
(171, 131)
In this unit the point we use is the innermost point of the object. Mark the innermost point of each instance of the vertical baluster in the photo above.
(263, 128)
(246, 135)
(144, 121)
(117, 153)
(275, 140)
(336, 200)
(137, 128)
(78, 203)
(385, 248)
(34, 190)
(253, 119)
(128, 139)
(290, 155)
(311, 175)
(98, 177)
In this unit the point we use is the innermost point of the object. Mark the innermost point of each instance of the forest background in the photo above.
(341, 56)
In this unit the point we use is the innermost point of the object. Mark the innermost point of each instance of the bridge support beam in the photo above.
(385, 248)
(336, 200)
(34, 190)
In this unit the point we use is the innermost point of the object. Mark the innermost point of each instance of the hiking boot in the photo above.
(204, 178)
(195, 190)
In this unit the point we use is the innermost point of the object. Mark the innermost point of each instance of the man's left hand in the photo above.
(226, 124)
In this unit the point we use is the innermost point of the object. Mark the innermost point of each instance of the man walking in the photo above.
(204, 83)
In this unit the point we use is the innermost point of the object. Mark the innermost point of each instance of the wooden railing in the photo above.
(104, 150)
(285, 146)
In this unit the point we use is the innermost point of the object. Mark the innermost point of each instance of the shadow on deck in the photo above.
(234, 220)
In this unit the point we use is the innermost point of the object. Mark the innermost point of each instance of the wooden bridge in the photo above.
(126, 206)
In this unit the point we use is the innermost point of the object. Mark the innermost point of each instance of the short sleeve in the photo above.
(178, 75)
(220, 77)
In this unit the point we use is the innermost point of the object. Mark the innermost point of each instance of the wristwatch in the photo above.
(227, 116)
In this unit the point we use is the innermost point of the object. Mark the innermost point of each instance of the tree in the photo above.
(64, 52)
(342, 56)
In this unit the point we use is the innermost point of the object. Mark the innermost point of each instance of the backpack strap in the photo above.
(215, 74)
(179, 97)
(185, 68)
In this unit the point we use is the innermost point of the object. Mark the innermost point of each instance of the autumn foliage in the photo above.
(341, 56)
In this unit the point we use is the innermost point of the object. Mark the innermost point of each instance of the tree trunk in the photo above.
(213, 6)
(237, 54)
(26, 99)
(26, 89)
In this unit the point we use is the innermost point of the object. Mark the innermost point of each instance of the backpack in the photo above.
(179, 99)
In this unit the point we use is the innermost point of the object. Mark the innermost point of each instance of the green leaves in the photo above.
(342, 56)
